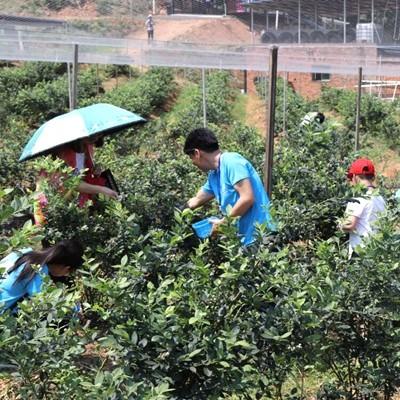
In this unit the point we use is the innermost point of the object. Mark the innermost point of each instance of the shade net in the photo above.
(101, 29)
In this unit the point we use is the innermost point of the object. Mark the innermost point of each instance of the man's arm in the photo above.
(246, 200)
(88, 188)
(201, 198)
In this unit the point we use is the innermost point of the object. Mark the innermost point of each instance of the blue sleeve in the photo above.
(35, 285)
(207, 187)
(237, 169)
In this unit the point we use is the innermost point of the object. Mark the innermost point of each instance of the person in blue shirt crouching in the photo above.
(26, 269)
(232, 181)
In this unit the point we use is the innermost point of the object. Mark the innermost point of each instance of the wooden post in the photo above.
(269, 139)
(358, 110)
(245, 81)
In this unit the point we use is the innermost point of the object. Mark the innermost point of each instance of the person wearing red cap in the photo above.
(362, 213)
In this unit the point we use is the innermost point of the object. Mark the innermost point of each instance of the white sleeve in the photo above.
(355, 208)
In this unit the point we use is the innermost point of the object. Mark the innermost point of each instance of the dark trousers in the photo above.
(150, 35)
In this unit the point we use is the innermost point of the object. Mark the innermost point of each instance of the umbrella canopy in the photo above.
(78, 124)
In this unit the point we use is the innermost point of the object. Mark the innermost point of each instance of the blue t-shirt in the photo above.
(232, 169)
(12, 291)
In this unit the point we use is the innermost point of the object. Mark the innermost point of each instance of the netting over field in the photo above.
(106, 32)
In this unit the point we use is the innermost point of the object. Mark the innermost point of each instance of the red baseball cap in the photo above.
(362, 166)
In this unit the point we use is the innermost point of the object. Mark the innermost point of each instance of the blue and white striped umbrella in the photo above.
(78, 124)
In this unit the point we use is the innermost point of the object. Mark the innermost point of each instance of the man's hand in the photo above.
(201, 198)
(109, 192)
(216, 224)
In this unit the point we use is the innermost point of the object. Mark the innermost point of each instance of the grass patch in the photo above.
(239, 108)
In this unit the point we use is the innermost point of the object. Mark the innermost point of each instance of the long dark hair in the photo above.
(66, 252)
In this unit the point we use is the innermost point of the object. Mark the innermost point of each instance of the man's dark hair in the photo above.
(202, 139)
(320, 117)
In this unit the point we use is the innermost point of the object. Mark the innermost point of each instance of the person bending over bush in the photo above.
(26, 269)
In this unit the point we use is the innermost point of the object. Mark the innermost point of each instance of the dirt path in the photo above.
(256, 113)
(389, 165)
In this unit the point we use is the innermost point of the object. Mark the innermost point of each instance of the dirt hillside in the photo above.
(211, 30)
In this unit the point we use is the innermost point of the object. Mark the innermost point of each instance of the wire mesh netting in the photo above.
(106, 33)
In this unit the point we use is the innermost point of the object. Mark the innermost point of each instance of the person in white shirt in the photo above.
(362, 213)
(149, 24)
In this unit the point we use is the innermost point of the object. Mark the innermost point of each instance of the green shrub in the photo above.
(377, 117)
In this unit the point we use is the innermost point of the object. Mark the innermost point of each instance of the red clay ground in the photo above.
(212, 30)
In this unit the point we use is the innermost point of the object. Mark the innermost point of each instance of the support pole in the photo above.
(316, 15)
(269, 140)
(344, 21)
(373, 20)
(285, 82)
(245, 81)
(299, 23)
(74, 85)
(252, 25)
(203, 80)
(69, 85)
(358, 110)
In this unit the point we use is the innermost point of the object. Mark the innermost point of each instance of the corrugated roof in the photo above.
(325, 8)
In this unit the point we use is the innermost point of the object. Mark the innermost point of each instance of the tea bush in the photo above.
(165, 316)
(377, 116)
(188, 112)
(290, 106)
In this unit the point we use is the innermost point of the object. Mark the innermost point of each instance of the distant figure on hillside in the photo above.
(232, 181)
(149, 24)
(24, 270)
(362, 213)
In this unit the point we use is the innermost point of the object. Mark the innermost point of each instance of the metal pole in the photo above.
(285, 80)
(269, 140)
(69, 85)
(299, 23)
(203, 79)
(245, 80)
(74, 86)
(373, 20)
(252, 25)
(358, 110)
(344, 21)
(316, 15)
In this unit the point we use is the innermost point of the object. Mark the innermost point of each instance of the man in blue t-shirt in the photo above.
(232, 181)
